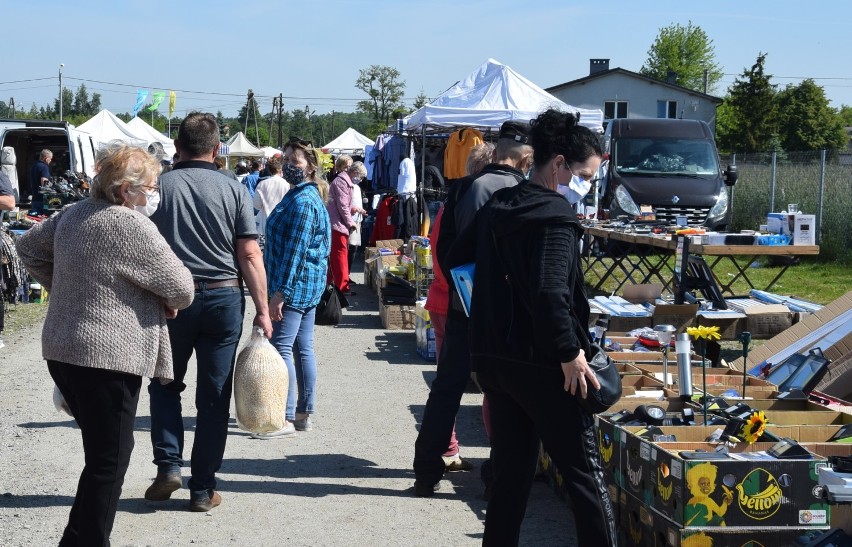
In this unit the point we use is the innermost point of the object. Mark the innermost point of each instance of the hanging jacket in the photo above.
(458, 149)
(525, 243)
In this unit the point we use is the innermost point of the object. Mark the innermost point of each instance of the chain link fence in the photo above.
(769, 182)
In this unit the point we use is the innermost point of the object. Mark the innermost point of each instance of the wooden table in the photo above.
(644, 258)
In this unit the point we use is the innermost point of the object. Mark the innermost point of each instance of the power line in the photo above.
(800, 77)
(30, 80)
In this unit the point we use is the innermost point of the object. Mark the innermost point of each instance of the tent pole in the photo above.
(423, 209)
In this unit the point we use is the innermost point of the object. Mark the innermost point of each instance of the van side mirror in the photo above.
(731, 175)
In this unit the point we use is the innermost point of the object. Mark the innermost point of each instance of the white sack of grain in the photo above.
(260, 386)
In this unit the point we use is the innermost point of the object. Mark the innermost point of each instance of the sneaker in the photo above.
(426, 489)
(288, 429)
(455, 463)
(303, 424)
(205, 502)
(163, 486)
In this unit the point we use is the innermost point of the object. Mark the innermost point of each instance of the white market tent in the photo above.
(349, 142)
(141, 127)
(489, 96)
(269, 151)
(239, 145)
(105, 127)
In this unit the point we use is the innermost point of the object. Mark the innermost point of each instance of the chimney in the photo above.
(598, 65)
(671, 77)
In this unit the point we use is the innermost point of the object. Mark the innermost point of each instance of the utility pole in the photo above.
(332, 124)
(280, 128)
(61, 65)
(11, 113)
(249, 97)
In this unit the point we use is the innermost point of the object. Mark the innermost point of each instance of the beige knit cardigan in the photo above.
(110, 275)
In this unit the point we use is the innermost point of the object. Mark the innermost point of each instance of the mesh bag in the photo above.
(260, 386)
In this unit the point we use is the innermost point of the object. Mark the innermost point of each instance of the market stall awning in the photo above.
(349, 142)
(239, 145)
(106, 126)
(491, 95)
(142, 128)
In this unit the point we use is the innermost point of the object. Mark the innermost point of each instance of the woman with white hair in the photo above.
(342, 224)
(113, 281)
(357, 172)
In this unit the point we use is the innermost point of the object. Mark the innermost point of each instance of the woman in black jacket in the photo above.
(529, 334)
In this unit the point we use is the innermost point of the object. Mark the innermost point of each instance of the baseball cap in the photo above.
(516, 130)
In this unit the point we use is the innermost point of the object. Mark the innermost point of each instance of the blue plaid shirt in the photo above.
(298, 241)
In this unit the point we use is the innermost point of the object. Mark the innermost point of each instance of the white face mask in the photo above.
(576, 189)
(152, 201)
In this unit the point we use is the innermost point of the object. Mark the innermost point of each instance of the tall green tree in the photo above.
(420, 100)
(806, 121)
(687, 51)
(385, 90)
(845, 113)
(751, 104)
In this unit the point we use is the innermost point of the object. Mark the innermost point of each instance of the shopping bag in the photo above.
(330, 307)
(261, 382)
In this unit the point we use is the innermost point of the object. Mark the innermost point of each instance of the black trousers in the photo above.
(439, 417)
(103, 403)
(527, 405)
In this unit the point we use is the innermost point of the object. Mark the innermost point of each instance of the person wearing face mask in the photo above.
(529, 338)
(512, 159)
(208, 219)
(298, 241)
(357, 172)
(342, 224)
(113, 282)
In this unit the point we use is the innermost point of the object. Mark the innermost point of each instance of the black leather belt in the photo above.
(217, 284)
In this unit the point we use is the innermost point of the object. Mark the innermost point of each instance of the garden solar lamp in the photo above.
(665, 334)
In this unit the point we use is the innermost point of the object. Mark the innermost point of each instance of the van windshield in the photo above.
(665, 157)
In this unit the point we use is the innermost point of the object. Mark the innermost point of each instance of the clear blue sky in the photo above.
(311, 51)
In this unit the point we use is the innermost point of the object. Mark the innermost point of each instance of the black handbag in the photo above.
(600, 400)
(330, 307)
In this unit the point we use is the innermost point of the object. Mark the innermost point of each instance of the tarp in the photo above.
(239, 145)
(141, 127)
(105, 127)
(349, 142)
(491, 95)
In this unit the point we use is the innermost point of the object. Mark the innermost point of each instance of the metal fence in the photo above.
(819, 182)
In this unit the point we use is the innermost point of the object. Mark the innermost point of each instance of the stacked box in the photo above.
(396, 317)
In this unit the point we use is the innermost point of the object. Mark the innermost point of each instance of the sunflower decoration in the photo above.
(754, 427)
(704, 334)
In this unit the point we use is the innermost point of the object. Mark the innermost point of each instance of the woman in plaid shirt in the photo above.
(298, 240)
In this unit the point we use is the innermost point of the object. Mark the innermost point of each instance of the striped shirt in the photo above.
(298, 241)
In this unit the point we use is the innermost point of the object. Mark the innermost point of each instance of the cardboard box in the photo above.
(396, 317)
(767, 320)
(636, 522)
(719, 384)
(631, 385)
(763, 492)
(625, 369)
(810, 417)
(730, 325)
(669, 534)
(609, 443)
(808, 325)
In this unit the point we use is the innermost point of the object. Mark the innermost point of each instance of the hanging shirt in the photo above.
(368, 160)
(458, 149)
(393, 153)
(407, 182)
(384, 228)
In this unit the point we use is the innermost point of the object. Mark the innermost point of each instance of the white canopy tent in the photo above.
(349, 142)
(141, 127)
(489, 96)
(239, 145)
(269, 151)
(105, 127)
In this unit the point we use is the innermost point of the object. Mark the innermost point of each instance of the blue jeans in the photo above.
(211, 327)
(293, 337)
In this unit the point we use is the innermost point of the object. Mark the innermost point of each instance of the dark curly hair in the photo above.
(554, 133)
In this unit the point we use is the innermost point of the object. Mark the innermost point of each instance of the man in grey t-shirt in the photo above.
(208, 219)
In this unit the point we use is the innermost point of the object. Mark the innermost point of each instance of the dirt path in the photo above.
(348, 482)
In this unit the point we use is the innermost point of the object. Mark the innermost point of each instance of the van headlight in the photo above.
(721, 206)
(625, 202)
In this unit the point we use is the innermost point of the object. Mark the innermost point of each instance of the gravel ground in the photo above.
(347, 482)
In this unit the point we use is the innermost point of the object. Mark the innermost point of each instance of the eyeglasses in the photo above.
(581, 177)
(151, 189)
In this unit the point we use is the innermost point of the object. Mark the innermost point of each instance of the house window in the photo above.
(615, 109)
(667, 109)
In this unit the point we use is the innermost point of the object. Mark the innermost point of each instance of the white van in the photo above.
(72, 149)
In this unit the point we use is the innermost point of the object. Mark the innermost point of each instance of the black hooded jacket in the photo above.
(525, 243)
